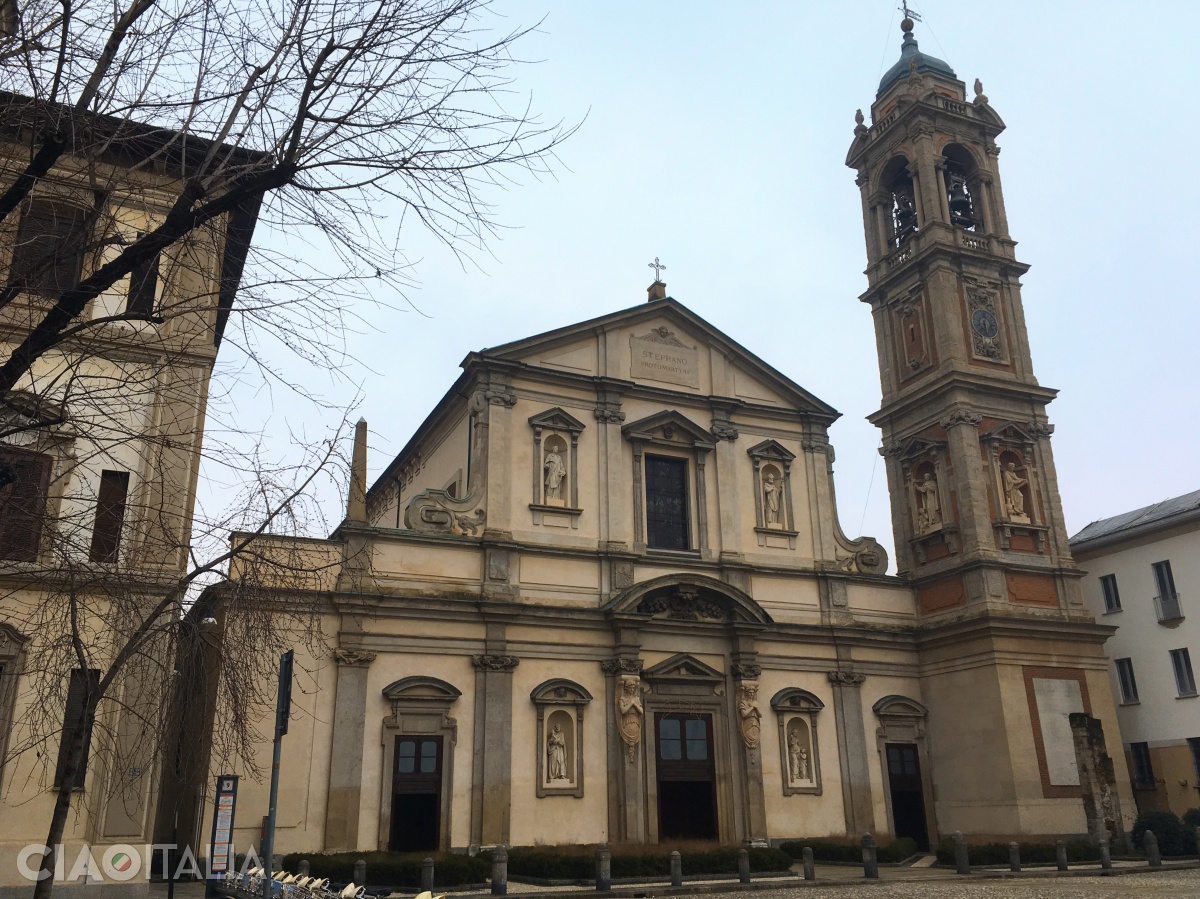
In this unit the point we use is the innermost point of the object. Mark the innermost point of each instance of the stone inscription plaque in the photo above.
(658, 360)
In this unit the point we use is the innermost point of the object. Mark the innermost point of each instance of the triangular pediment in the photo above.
(919, 446)
(665, 325)
(669, 426)
(683, 667)
(772, 450)
(556, 419)
(1009, 432)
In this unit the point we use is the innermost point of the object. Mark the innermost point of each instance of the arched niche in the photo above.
(773, 493)
(420, 706)
(560, 704)
(555, 487)
(796, 713)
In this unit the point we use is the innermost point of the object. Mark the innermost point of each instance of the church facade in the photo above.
(602, 595)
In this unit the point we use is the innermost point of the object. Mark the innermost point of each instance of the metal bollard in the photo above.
(500, 871)
(743, 866)
(676, 869)
(603, 868)
(1014, 857)
(360, 872)
(1060, 854)
(303, 867)
(1197, 835)
(810, 870)
(962, 861)
(1105, 856)
(1150, 845)
(427, 875)
(870, 855)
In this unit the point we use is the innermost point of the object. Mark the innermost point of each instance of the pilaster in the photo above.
(491, 792)
(346, 758)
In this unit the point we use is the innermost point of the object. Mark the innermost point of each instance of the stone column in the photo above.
(852, 750)
(346, 760)
(491, 791)
(626, 730)
(974, 516)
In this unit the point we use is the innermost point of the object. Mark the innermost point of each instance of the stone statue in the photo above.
(555, 472)
(772, 490)
(556, 754)
(1014, 499)
(629, 714)
(797, 756)
(748, 713)
(929, 510)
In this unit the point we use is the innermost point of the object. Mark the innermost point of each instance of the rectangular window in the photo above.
(110, 515)
(1185, 681)
(83, 684)
(48, 255)
(1128, 682)
(1143, 771)
(1194, 745)
(1112, 599)
(24, 484)
(666, 503)
(143, 282)
(1164, 580)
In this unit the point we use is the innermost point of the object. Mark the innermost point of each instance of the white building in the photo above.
(1143, 575)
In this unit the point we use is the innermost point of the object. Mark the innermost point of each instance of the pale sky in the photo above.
(715, 139)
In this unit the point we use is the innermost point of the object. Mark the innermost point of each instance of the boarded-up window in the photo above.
(48, 254)
(83, 687)
(143, 281)
(110, 515)
(24, 482)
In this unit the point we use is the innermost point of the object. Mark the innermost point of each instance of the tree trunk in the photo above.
(81, 739)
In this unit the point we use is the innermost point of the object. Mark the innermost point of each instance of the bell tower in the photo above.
(1007, 647)
(975, 507)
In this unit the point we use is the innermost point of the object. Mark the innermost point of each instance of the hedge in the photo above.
(394, 869)
(1174, 837)
(1192, 817)
(850, 850)
(1031, 853)
(637, 860)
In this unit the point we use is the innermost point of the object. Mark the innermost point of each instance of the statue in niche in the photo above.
(749, 714)
(555, 472)
(772, 491)
(556, 754)
(629, 714)
(1014, 499)
(797, 756)
(929, 510)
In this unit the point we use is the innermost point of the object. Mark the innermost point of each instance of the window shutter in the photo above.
(82, 684)
(24, 482)
(110, 515)
(48, 256)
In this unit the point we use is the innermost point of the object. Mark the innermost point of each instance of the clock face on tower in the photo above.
(985, 324)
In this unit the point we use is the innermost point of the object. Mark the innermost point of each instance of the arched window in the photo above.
(897, 181)
(962, 188)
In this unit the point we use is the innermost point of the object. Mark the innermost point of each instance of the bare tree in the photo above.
(143, 147)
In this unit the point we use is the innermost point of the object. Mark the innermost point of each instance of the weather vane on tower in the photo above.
(908, 13)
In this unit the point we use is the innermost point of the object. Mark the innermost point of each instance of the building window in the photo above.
(143, 284)
(666, 503)
(48, 255)
(1194, 745)
(1143, 771)
(1164, 580)
(1185, 681)
(1127, 681)
(1112, 599)
(110, 515)
(83, 685)
(24, 484)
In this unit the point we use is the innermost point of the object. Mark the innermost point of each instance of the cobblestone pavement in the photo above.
(1164, 885)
